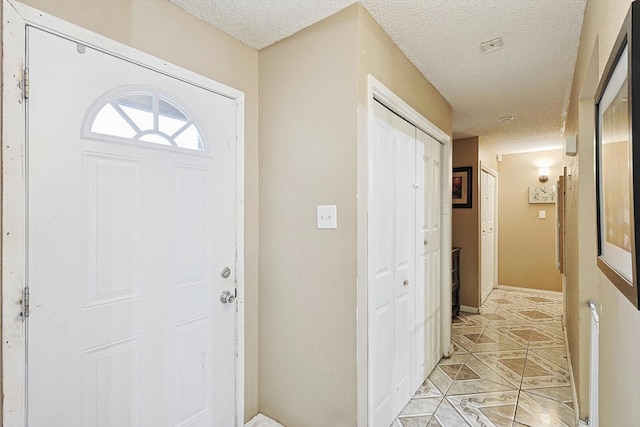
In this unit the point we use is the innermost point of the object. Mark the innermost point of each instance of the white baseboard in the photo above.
(472, 310)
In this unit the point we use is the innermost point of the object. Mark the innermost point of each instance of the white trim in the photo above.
(376, 91)
(16, 17)
(471, 310)
(396, 104)
(13, 218)
(240, 274)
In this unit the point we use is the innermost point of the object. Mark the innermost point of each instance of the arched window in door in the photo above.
(142, 115)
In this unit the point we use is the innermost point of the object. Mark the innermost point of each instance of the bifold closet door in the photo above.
(428, 250)
(392, 260)
(404, 261)
(381, 269)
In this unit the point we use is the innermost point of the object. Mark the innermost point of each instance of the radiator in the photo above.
(593, 367)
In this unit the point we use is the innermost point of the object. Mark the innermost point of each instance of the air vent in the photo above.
(492, 45)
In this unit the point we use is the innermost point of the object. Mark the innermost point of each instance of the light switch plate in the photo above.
(327, 216)
(542, 214)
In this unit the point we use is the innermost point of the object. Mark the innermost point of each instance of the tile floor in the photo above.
(509, 368)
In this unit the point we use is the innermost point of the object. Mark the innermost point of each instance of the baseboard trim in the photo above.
(467, 309)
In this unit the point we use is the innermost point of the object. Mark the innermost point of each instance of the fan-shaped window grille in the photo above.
(143, 116)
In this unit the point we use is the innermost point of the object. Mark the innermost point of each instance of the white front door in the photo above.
(131, 223)
(488, 236)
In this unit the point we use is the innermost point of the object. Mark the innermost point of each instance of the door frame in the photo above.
(16, 17)
(377, 91)
(494, 173)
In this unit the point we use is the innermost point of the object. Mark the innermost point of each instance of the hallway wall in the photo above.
(527, 244)
(466, 224)
(166, 31)
(308, 94)
(619, 381)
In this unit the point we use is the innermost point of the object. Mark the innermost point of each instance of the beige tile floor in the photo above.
(509, 368)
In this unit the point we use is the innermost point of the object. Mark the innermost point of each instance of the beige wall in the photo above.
(308, 95)
(162, 29)
(527, 244)
(619, 383)
(313, 95)
(466, 222)
(378, 55)
(487, 156)
(466, 225)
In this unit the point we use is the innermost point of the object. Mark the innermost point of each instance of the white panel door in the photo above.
(404, 262)
(488, 254)
(126, 242)
(382, 402)
(428, 250)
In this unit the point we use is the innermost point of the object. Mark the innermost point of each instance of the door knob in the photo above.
(227, 297)
(405, 283)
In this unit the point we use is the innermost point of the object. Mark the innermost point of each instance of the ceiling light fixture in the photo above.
(505, 119)
(492, 45)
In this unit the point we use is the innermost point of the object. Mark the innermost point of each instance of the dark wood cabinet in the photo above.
(455, 281)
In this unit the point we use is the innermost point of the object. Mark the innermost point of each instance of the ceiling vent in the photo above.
(492, 45)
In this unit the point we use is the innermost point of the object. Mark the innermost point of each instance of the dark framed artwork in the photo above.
(461, 193)
(618, 161)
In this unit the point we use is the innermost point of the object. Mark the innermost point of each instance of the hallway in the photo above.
(509, 368)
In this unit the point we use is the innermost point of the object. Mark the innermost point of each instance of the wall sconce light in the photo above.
(543, 174)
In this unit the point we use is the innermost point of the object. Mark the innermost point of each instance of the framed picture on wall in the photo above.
(461, 193)
(618, 160)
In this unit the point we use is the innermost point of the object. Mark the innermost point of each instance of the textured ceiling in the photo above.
(529, 79)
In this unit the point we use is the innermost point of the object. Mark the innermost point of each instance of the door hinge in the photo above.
(25, 83)
(25, 302)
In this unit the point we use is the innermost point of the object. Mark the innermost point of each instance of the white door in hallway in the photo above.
(404, 272)
(488, 234)
(131, 220)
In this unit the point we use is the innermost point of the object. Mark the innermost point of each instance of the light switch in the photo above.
(542, 214)
(327, 216)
